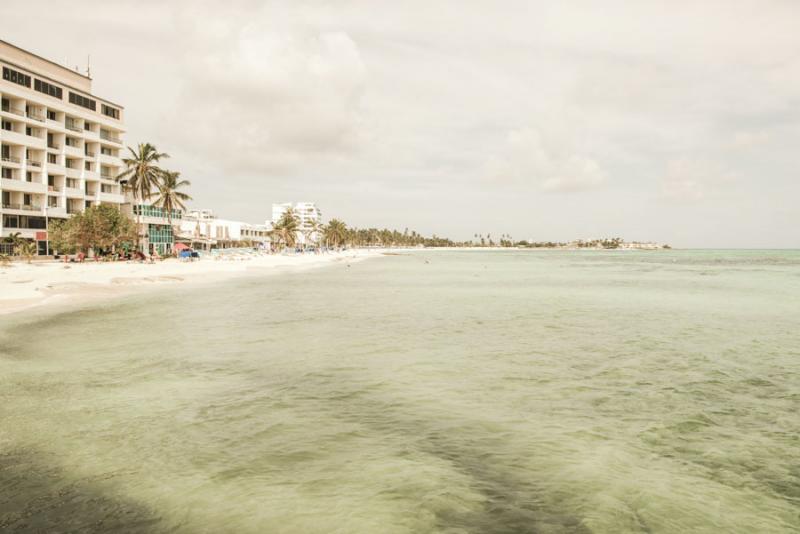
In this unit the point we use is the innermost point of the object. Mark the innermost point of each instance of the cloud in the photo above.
(527, 158)
(691, 180)
(271, 98)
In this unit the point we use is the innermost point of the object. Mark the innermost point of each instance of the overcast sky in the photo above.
(670, 121)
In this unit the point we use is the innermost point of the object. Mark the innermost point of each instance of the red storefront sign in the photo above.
(41, 236)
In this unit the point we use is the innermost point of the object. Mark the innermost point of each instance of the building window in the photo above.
(52, 158)
(7, 174)
(153, 211)
(87, 165)
(110, 112)
(82, 101)
(51, 115)
(13, 76)
(48, 89)
(52, 202)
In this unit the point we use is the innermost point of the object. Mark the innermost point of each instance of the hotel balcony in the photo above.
(55, 168)
(105, 159)
(113, 198)
(52, 124)
(35, 115)
(11, 161)
(56, 211)
(72, 172)
(18, 138)
(11, 110)
(34, 163)
(22, 186)
(73, 192)
(22, 209)
(72, 127)
(53, 147)
(34, 141)
(105, 136)
(54, 189)
(73, 151)
(91, 175)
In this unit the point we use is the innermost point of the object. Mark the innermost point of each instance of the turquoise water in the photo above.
(531, 391)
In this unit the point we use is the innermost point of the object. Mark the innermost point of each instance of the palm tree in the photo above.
(13, 239)
(314, 228)
(141, 175)
(169, 198)
(286, 228)
(335, 232)
(26, 249)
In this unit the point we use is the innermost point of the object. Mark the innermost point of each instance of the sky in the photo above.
(677, 122)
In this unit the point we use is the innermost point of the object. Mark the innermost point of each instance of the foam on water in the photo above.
(530, 391)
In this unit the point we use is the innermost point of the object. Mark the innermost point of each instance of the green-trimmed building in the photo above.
(155, 232)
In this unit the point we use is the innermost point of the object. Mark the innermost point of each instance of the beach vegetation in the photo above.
(169, 196)
(99, 228)
(335, 233)
(26, 249)
(141, 174)
(284, 232)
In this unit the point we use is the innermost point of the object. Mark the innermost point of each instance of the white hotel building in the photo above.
(309, 216)
(203, 230)
(59, 144)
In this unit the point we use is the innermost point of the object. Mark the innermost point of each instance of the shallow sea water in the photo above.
(462, 391)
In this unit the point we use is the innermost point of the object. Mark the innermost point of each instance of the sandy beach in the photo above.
(24, 286)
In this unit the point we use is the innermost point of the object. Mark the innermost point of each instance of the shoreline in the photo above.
(26, 287)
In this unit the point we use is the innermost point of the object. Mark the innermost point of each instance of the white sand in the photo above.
(24, 286)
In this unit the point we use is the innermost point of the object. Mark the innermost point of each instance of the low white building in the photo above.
(309, 215)
(202, 229)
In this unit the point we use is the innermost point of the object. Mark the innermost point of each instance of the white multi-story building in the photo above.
(59, 144)
(309, 215)
(202, 229)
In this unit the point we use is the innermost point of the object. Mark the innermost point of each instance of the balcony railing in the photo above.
(90, 154)
(11, 159)
(73, 127)
(15, 111)
(108, 137)
(22, 207)
(54, 146)
(35, 116)
(34, 163)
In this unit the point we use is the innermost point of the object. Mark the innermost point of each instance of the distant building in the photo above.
(201, 229)
(309, 216)
(59, 145)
